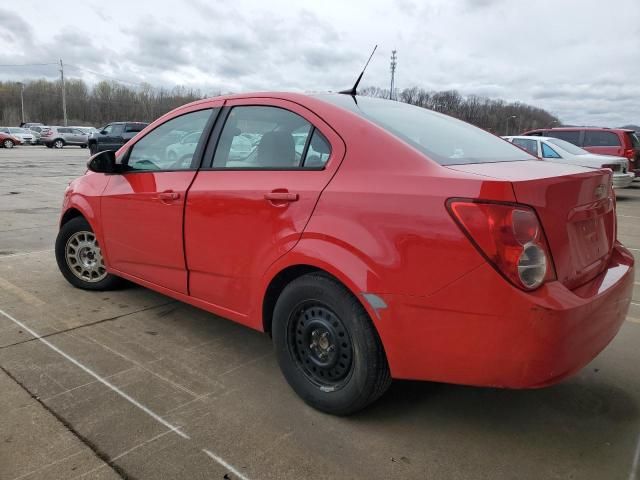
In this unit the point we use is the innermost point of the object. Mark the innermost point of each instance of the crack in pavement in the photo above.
(97, 322)
(92, 446)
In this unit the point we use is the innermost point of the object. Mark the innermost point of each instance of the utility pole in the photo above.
(394, 62)
(22, 99)
(64, 94)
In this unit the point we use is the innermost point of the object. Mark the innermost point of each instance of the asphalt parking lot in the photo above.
(132, 384)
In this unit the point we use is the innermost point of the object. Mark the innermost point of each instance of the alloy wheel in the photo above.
(84, 257)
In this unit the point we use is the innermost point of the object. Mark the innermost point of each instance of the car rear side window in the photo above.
(444, 139)
(269, 138)
(599, 138)
(571, 136)
(134, 127)
(530, 146)
(548, 152)
(163, 149)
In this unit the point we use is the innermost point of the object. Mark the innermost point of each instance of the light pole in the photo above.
(507, 126)
(22, 99)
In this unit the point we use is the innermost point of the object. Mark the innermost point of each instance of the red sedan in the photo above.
(9, 141)
(372, 239)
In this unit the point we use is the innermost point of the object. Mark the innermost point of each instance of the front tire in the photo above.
(84, 145)
(8, 143)
(79, 257)
(327, 346)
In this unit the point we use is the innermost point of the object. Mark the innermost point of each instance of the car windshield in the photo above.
(567, 146)
(18, 130)
(444, 139)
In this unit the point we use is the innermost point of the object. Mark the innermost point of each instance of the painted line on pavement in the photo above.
(633, 475)
(108, 384)
(131, 400)
(226, 465)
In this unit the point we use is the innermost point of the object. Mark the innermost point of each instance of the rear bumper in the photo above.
(482, 331)
(623, 180)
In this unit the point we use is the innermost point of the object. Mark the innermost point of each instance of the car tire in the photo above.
(84, 145)
(59, 143)
(8, 143)
(327, 347)
(79, 258)
(93, 149)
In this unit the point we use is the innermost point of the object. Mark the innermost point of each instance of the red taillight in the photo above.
(630, 153)
(509, 236)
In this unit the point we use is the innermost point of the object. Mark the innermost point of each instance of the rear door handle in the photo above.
(280, 197)
(168, 195)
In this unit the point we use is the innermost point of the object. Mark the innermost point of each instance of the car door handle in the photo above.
(281, 197)
(168, 195)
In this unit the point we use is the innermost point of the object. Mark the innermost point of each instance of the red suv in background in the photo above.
(603, 141)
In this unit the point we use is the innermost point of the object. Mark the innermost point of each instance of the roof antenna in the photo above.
(353, 91)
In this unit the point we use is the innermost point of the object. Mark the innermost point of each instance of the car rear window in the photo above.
(444, 139)
(599, 138)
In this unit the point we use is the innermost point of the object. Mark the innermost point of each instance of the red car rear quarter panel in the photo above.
(497, 335)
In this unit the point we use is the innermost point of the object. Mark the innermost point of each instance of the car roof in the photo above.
(560, 129)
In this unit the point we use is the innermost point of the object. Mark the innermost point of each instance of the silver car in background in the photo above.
(23, 134)
(58, 137)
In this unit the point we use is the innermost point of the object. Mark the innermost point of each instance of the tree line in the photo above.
(96, 105)
(109, 101)
(496, 116)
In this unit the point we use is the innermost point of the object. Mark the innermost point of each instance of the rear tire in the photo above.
(79, 257)
(84, 145)
(8, 143)
(58, 143)
(327, 346)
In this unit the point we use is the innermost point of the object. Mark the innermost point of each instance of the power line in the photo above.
(104, 76)
(27, 64)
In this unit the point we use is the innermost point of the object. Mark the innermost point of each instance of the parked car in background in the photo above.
(399, 243)
(88, 130)
(25, 135)
(114, 135)
(619, 142)
(59, 137)
(9, 141)
(37, 131)
(561, 151)
(28, 125)
(184, 148)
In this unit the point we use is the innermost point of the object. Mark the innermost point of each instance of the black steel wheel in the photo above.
(327, 347)
(320, 344)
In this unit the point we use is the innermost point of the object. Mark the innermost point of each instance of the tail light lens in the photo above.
(510, 237)
(630, 153)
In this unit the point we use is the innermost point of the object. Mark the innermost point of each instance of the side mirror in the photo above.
(103, 162)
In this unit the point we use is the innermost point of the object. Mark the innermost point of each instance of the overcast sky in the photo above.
(579, 59)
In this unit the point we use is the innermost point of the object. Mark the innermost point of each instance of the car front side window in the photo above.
(161, 149)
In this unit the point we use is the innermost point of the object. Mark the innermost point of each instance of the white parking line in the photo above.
(633, 475)
(108, 384)
(231, 468)
(131, 400)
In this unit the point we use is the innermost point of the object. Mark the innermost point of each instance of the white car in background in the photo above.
(561, 151)
(184, 148)
(27, 136)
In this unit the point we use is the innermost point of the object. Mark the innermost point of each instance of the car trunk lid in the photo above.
(575, 205)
